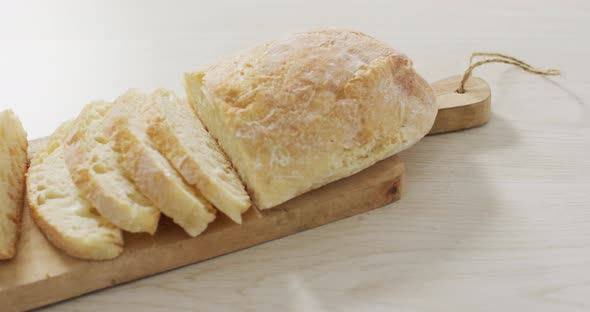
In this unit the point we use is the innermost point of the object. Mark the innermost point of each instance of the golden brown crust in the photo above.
(297, 113)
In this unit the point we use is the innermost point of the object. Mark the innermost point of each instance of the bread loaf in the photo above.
(13, 164)
(179, 135)
(62, 213)
(297, 113)
(149, 170)
(98, 174)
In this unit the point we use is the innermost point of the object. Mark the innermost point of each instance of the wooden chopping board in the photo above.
(41, 274)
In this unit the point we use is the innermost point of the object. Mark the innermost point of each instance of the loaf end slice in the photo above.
(150, 171)
(96, 171)
(59, 209)
(13, 166)
(180, 136)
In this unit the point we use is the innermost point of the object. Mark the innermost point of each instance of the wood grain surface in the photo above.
(460, 111)
(495, 218)
(41, 274)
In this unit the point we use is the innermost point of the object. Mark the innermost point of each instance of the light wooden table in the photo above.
(492, 219)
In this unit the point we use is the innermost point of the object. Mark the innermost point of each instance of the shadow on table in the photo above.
(448, 206)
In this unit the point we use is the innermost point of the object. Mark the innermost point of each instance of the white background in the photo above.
(492, 219)
(56, 56)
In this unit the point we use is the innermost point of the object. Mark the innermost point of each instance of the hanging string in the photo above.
(501, 58)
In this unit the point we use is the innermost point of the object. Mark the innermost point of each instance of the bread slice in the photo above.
(99, 176)
(180, 136)
(150, 171)
(58, 208)
(13, 165)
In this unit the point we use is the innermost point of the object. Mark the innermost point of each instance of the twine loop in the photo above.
(501, 58)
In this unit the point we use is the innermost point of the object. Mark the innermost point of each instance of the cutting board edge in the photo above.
(381, 190)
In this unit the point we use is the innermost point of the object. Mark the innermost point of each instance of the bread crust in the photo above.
(20, 200)
(18, 169)
(297, 113)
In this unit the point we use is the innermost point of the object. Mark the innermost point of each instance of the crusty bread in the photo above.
(64, 216)
(297, 113)
(150, 171)
(13, 165)
(180, 136)
(97, 173)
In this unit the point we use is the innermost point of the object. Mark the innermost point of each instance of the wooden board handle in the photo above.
(459, 111)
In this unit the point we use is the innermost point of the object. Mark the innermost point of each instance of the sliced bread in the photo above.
(180, 136)
(13, 165)
(150, 171)
(65, 217)
(99, 176)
